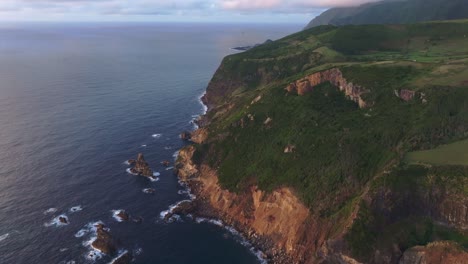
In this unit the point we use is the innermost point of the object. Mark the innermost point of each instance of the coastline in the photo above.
(198, 208)
(262, 247)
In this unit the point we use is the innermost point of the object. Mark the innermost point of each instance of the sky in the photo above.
(261, 11)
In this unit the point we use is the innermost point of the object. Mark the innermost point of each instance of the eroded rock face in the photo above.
(185, 135)
(406, 95)
(334, 76)
(184, 166)
(441, 252)
(140, 166)
(289, 149)
(104, 241)
(199, 136)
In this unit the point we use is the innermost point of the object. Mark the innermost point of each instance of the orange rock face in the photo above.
(335, 77)
(199, 136)
(278, 216)
(437, 252)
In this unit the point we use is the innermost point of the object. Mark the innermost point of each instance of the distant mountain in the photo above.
(394, 12)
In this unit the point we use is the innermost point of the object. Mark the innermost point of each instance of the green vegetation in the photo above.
(393, 12)
(402, 216)
(451, 154)
(343, 153)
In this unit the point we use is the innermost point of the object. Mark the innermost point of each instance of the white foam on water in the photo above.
(154, 179)
(63, 249)
(149, 190)
(126, 162)
(182, 192)
(156, 174)
(205, 108)
(143, 146)
(50, 211)
(4, 236)
(167, 147)
(67, 262)
(120, 254)
(175, 155)
(94, 255)
(75, 209)
(137, 251)
(171, 208)
(241, 239)
(56, 221)
(175, 218)
(130, 172)
(169, 168)
(115, 215)
(157, 135)
(88, 229)
(81, 233)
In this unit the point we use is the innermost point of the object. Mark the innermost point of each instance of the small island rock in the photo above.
(141, 167)
(104, 241)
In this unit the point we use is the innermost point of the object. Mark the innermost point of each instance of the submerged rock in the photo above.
(141, 167)
(149, 190)
(124, 216)
(104, 241)
(183, 208)
(166, 163)
(137, 219)
(185, 135)
(63, 220)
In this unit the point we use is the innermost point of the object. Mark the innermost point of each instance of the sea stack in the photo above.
(140, 166)
(104, 241)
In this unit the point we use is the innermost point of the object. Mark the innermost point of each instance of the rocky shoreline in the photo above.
(200, 207)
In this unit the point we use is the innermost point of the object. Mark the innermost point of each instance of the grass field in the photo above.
(451, 154)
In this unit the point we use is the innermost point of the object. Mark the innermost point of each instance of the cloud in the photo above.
(291, 5)
(98, 8)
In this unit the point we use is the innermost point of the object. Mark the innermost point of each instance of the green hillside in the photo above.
(394, 12)
(343, 153)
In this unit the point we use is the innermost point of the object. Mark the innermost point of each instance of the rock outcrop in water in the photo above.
(140, 166)
(104, 241)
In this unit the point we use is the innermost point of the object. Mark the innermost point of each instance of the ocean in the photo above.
(76, 102)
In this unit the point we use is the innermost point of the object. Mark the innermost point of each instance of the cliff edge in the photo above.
(305, 146)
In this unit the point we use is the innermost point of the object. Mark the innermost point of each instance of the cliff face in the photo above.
(437, 252)
(335, 77)
(315, 179)
(285, 229)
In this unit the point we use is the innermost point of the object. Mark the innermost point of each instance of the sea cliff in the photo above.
(305, 152)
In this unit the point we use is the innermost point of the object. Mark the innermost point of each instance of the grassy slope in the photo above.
(450, 154)
(340, 148)
(393, 12)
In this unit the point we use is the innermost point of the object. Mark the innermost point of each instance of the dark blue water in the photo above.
(76, 101)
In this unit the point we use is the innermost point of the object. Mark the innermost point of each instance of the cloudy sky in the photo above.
(297, 11)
